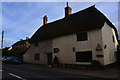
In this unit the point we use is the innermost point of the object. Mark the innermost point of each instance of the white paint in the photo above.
(1, 70)
(102, 36)
(16, 76)
(66, 43)
(107, 33)
(42, 48)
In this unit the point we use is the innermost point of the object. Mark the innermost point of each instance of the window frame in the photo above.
(82, 36)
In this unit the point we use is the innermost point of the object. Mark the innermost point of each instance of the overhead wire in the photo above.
(34, 13)
(45, 10)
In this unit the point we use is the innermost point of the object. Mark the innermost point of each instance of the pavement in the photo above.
(110, 73)
(113, 73)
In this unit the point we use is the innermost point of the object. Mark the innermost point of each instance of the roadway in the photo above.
(27, 72)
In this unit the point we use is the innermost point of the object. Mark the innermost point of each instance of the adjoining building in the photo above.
(20, 47)
(77, 38)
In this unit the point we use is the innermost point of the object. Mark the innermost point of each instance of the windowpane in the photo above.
(84, 56)
(37, 57)
(82, 36)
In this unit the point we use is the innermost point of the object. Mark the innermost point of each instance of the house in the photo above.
(21, 43)
(20, 47)
(77, 38)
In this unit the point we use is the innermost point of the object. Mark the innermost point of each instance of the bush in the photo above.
(56, 61)
(95, 63)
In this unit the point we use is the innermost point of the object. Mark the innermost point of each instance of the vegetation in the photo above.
(95, 64)
(7, 52)
(56, 61)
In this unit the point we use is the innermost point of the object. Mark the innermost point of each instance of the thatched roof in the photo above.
(87, 19)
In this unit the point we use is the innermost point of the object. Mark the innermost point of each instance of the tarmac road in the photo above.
(23, 72)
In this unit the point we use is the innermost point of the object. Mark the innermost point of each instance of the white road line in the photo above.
(1, 70)
(16, 76)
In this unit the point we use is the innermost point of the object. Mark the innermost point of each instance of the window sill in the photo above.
(84, 63)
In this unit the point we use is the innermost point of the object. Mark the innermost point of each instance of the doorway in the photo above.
(49, 58)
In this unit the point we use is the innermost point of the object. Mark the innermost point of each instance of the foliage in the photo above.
(7, 52)
(56, 61)
(95, 63)
(118, 57)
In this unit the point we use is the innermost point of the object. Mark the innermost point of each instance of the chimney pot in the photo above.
(68, 10)
(27, 38)
(67, 4)
(45, 19)
(21, 39)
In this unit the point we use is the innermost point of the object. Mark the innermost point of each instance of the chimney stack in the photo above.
(21, 39)
(68, 10)
(44, 20)
(27, 38)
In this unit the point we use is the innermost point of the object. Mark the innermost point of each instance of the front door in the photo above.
(49, 58)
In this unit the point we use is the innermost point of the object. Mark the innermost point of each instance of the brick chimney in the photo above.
(68, 10)
(27, 38)
(21, 39)
(44, 20)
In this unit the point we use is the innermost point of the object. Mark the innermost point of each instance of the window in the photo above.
(37, 56)
(36, 44)
(82, 36)
(113, 38)
(84, 56)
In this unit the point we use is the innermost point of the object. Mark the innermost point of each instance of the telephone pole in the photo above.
(2, 40)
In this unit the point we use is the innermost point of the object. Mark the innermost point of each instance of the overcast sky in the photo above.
(22, 19)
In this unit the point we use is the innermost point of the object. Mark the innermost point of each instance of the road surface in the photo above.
(24, 72)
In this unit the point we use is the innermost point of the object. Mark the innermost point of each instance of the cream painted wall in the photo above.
(43, 48)
(66, 44)
(107, 33)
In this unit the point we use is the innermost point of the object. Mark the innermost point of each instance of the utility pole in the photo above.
(2, 40)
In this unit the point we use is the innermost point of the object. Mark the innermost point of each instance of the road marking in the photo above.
(16, 76)
(1, 70)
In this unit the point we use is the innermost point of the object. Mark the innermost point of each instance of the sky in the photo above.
(22, 19)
